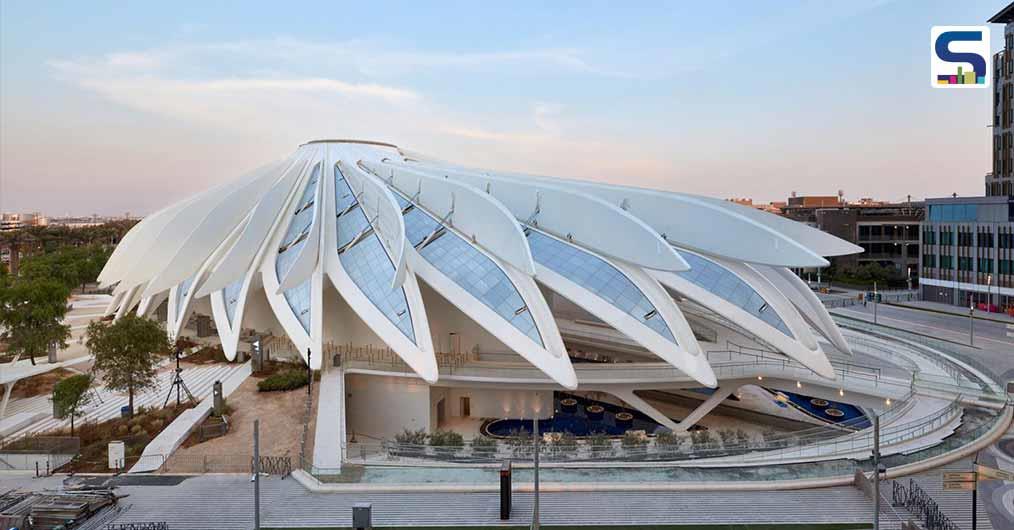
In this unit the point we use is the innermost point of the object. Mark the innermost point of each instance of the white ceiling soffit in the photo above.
(309, 254)
(575, 216)
(257, 232)
(715, 226)
(477, 215)
(216, 226)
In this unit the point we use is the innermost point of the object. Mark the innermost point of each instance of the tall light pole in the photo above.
(971, 320)
(989, 293)
(875, 297)
(535, 472)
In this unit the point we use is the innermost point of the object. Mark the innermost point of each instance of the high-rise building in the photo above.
(968, 242)
(1000, 182)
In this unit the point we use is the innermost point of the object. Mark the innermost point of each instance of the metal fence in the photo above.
(237, 463)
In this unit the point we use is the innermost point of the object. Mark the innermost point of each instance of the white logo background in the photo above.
(940, 67)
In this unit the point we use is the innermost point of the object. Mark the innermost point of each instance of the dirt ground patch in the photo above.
(281, 425)
(135, 432)
(41, 384)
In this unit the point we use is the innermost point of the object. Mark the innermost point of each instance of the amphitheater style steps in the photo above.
(106, 403)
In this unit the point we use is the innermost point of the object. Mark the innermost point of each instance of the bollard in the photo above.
(362, 515)
(505, 490)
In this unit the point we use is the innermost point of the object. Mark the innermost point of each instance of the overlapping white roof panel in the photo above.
(377, 222)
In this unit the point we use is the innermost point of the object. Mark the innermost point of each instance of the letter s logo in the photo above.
(944, 52)
(960, 57)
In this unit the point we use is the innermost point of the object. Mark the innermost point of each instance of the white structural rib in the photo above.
(483, 219)
(575, 216)
(264, 220)
(807, 302)
(308, 255)
(795, 340)
(174, 234)
(383, 212)
(138, 241)
(416, 347)
(550, 358)
(686, 356)
(306, 338)
(730, 230)
(217, 224)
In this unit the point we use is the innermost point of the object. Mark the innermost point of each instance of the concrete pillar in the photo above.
(7, 397)
(643, 406)
(702, 410)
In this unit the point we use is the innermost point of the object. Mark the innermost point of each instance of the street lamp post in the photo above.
(875, 297)
(971, 321)
(535, 472)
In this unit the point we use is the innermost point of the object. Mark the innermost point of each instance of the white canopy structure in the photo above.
(357, 242)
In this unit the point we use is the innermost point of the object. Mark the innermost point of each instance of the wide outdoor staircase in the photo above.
(105, 404)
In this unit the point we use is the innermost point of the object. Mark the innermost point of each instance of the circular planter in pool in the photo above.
(817, 402)
(834, 413)
(568, 405)
(624, 419)
(595, 412)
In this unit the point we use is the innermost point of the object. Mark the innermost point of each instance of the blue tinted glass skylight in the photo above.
(231, 295)
(728, 286)
(371, 269)
(294, 240)
(350, 225)
(402, 201)
(343, 196)
(299, 226)
(181, 294)
(599, 277)
(299, 300)
(472, 270)
(367, 262)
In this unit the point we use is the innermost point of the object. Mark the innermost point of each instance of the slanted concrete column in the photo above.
(702, 410)
(7, 397)
(630, 398)
(127, 303)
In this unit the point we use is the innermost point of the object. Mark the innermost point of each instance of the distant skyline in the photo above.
(109, 107)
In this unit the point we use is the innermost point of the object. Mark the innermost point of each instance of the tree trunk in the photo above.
(72, 424)
(130, 403)
(32, 357)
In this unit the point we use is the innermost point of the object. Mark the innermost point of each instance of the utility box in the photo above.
(256, 355)
(117, 454)
(219, 398)
(362, 515)
(505, 490)
(204, 326)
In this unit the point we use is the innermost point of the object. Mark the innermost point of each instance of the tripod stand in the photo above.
(178, 384)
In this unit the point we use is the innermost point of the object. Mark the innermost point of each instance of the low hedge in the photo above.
(282, 381)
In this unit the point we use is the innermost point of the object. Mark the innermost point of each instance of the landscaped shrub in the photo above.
(728, 437)
(566, 442)
(742, 438)
(599, 441)
(667, 440)
(282, 381)
(702, 439)
(446, 439)
(633, 439)
(483, 444)
(408, 437)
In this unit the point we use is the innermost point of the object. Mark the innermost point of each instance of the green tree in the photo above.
(126, 353)
(71, 395)
(31, 316)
